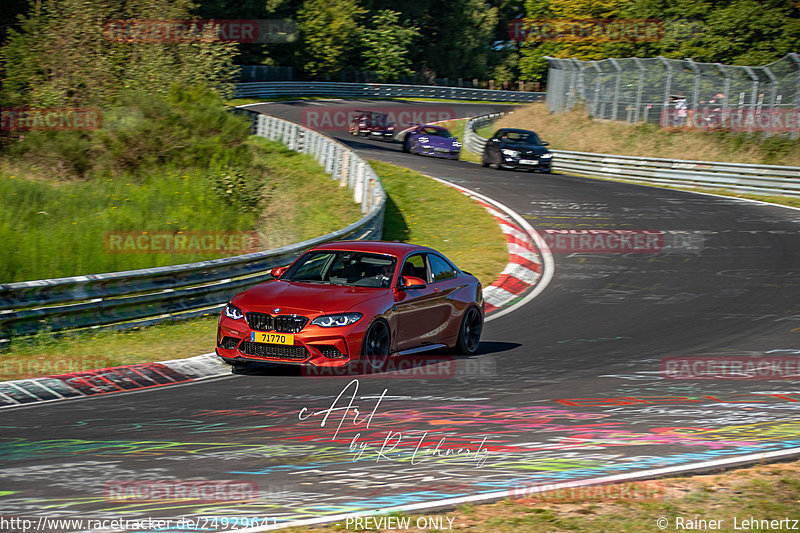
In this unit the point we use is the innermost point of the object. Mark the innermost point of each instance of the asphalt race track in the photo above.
(573, 386)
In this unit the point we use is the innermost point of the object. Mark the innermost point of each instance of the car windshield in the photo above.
(439, 132)
(515, 137)
(339, 267)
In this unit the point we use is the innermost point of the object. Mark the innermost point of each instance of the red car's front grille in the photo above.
(279, 323)
(259, 349)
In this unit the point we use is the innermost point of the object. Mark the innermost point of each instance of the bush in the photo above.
(239, 188)
(189, 128)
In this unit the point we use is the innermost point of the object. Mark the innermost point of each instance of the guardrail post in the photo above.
(344, 172)
(358, 186)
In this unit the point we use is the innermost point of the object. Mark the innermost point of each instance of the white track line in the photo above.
(528, 491)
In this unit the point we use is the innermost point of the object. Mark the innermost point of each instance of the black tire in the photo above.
(484, 161)
(376, 345)
(469, 334)
(406, 144)
(495, 164)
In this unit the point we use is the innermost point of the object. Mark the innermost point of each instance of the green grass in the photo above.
(764, 492)
(57, 229)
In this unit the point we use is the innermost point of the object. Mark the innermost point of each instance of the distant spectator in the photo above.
(681, 110)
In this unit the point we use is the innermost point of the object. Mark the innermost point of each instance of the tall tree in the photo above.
(63, 55)
(329, 32)
(386, 45)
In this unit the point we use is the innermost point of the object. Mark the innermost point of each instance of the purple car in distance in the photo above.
(426, 139)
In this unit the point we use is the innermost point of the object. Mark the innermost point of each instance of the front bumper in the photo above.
(313, 345)
(440, 152)
(531, 164)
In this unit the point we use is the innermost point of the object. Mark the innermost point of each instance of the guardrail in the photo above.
(472, 141)
(742, 177)
(142, 297)
(271, 89)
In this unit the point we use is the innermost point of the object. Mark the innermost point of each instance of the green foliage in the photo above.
(386, 45)
(738, 32)
(329, 29)
(185, 128)
(60, 56)
(238, 187)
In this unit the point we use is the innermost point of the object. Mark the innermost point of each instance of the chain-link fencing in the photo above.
(681, 93)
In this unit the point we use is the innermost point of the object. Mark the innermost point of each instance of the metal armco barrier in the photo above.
(472, 141)
(742, 177)
(271, 89)
(147, 296)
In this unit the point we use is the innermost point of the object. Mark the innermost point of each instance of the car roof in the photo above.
(515, 130)
(382, 247)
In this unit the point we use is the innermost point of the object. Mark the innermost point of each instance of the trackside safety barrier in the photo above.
(142, 297)
(272, 89)
(742, 177)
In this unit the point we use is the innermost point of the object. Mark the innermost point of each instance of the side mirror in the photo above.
(412, 282)
(278, 272)
(545, 143)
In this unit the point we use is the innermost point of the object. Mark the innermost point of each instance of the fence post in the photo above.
(773, 82)
(753, 97)
(596, 103)
(727, 92)
(796, 58)
(639, 88)
(616, 88)
(667, 87)
(695, 91)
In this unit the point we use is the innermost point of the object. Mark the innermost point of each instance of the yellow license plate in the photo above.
(272, 338)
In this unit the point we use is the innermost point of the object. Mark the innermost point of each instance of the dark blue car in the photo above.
(427, 139)
(518, 149)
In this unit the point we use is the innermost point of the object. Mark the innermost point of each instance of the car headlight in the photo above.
(456, 144)
(338, 320)
(545, 156)
(510, 153)
(231, 311)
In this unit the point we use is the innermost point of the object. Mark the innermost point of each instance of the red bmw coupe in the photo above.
(357, 300)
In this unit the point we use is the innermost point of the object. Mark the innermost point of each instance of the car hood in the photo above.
(300, 298)
(526, 148)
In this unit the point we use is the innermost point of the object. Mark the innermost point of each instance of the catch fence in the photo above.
(681, 93)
